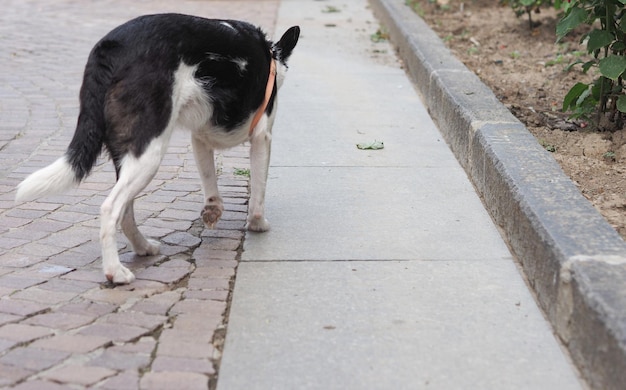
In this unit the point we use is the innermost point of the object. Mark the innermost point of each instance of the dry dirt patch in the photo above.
(525, 68)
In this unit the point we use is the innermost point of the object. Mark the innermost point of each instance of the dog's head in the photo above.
(282, 51)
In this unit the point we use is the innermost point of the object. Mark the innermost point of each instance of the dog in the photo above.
(155, 73)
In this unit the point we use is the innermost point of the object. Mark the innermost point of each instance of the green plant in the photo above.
(609, 156)
(606, 41)
(521, 7)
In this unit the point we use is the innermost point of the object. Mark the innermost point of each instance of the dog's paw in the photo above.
(121, 275)
(211, 214)
(150, 248)
(258, 224)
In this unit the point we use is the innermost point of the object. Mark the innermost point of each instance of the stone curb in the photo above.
(573, 259)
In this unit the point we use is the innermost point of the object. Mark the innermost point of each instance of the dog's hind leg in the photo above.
(213, 204)
(141, 245)
(134, 175)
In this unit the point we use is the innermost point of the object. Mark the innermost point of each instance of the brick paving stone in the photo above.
(82, 375)
(37, 294)
(196, 283)
(114, 332)
(61, 321)
(170, 223)
(121, 361)
(73, 343)
(11, 374)
(158, 303)
(51, 269)
(19, 282)
(144, 345)
(23, 333)
(184, 364)
(75, 286)
(168, 380)
(47, 225)
(127, 380)
(178, 262)
(232, 234)
(21, 308)
(109, 295)
(71, 237)
(226, 244)
(190, 306)
(85, 275)
(182, 239)
(88, 307)
(135, 318)
(214, 295)
(202, 325)
(19, 234)
(6, 292)
(206, 254)
(163, 274)
(5, 345)
(143, 288)
(180, 214)
(19, 212)
(17, 260)
(7, 318)
(40, 385)
(214, 272)
(230, 225)
(34, 359)
(71, 216)
(77, 257)
(37, 249)
(133, 261)
(180, 344)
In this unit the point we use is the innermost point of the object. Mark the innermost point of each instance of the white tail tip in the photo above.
(53, 179)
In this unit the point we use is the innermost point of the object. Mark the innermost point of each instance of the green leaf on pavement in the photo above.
(371, 145)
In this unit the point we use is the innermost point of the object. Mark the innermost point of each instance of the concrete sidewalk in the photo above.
(382, 269)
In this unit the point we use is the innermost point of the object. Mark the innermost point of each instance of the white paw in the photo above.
(121, 275)
(150, 248)
(258, 224)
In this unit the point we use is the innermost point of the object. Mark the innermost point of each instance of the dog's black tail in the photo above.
(86, 145)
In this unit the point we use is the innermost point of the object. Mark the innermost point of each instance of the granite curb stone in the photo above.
(574, 260)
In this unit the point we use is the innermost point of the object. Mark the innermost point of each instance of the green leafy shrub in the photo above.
(606, 41)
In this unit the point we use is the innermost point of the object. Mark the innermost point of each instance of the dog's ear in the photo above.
(284, 47)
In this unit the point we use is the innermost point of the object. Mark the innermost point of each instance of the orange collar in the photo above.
(269, 88)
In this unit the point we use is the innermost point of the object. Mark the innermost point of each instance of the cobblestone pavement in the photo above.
(61, 325)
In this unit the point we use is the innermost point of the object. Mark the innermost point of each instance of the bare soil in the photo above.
(526, 69)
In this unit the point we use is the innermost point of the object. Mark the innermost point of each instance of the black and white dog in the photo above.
(217, 78)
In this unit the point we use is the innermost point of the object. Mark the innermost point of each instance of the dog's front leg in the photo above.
(260, 148)
(213, 204)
